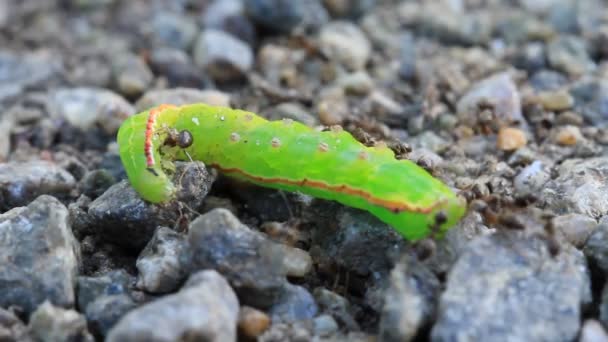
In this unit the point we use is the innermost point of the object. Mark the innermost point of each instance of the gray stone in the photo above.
(548, 80)
(105, 311)
(285, 15)
(296, 262)
(596, 249)
(11, 328)
(324, 326)
(581, 187)
(531, 57)
(174, 30)
(222, 56)
(39, 254)
(21, 182)
(498, 90)
(521, 293)
(50, 324)
(576, 228)
(161, 263)
(591, 100)
(294, 304)
(343, 42)
(131, 75)
(177, 68)
(205, 309)
(359, 242)
(122, 217)
(569, 54)
(336, 306)
(291, 110)
(532, 178)
(229, 16)
(112, 283)
(593, 331)
(251, 263)
(85, 107)
(182, 96)
(410, 301)
(19, 72)
(349, 8)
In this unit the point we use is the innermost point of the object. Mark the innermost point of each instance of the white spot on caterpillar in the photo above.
(235, 137)
(323, 147)
(257, 143)
(195, 120)
(222, 118)
(275, 142)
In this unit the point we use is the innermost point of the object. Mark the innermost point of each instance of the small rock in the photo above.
(580, 187)
(453, 26)
(531, 178)
(569, 54)
(555, 100)
(349, 8)
(332, 107)
(285, 15)
(410, 301)
(499, 91)
(358, 242)
(548, 80)
(510, 139)
(222, 56)
(86, 107)
(173, 30)
(324, 326)
(336, 306)
(596, 249)
(357, 83)
(252, 322)
(20, 183)
(50, 323)
(343, 42)
(182, 96)
(178, 69)
(567, 135)
(96, 182)
(593, 331)
(532, 57)
(591, 100)
(205, 309)
(251, 263)
(521, 293)
(576, 228)
(116, 282)
(122, 217)
(105, 311)
(160, 264)
(291, 110)
(41, 256)
(11, 328)
(229, 16)
(296, 262)
(294, 304)
(131, 75)
(19, 72)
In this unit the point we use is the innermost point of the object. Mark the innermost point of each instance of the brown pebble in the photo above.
(568, 135)
(555, 100)
(252, 322)
(510, 139)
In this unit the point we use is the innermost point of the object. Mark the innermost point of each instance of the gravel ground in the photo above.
(506, 101)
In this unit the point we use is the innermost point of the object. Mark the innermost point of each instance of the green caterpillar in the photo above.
(285, 155)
